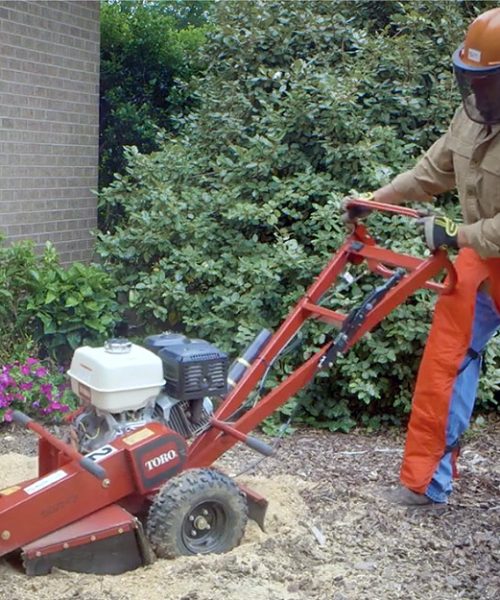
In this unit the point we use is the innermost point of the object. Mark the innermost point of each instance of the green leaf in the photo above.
(72, 301)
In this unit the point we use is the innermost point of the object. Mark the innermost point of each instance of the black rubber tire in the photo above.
(197, 497)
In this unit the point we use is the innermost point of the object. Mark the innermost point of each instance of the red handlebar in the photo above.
(85, 462)
(378, 266)
(382, 206)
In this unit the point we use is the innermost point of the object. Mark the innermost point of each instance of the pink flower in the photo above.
(6, 379)
(32, 386)
(46, 389)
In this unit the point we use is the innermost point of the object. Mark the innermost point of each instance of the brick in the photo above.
(49, 74)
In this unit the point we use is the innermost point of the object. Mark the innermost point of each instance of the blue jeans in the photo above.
(486, 324)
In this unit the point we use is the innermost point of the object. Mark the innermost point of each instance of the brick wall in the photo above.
(49, 103)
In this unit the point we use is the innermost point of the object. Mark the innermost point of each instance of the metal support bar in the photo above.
(251, 441)
(324, 314)
(69, 451)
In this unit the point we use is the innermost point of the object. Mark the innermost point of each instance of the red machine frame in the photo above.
(358, 247)
(77, 500)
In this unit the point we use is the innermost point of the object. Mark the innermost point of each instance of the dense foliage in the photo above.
(47, 309)
(148, 55)
(225, 226)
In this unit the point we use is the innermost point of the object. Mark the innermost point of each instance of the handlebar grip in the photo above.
(93, 468)
(20, 418)
(259, 446)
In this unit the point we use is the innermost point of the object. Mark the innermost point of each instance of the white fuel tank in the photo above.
(117, 377)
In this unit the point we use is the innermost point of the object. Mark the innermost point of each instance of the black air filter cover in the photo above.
(192, 368)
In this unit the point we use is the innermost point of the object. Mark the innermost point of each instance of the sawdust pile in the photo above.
(329, 533)
(16, 467)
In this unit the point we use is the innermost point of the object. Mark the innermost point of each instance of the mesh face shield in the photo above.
(480, 91)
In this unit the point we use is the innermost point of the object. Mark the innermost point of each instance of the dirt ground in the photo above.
(330, 534)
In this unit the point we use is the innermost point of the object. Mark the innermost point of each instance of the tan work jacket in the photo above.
(466, 157)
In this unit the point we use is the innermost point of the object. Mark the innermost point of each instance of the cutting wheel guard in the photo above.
(403, 274)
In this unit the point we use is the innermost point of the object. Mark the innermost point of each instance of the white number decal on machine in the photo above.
(101, 453)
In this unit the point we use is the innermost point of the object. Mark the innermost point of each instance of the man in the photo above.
(467, 157)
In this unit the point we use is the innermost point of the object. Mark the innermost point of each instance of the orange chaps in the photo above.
(445, 351)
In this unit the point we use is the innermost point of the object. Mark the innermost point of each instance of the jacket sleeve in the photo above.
(484, 236)
(432, 175)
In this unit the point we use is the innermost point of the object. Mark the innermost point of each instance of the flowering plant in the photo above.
(35, 389)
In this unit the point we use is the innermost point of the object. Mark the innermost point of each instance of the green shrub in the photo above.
(50, 309)
(16, 265)
(148, 55)
(224, 228)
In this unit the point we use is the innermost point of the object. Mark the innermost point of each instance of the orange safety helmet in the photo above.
(477, 68)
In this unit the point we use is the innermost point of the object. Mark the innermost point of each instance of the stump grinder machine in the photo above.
(137, 481)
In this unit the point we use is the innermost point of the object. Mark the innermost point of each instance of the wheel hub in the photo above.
(204, 527)
(201, 523)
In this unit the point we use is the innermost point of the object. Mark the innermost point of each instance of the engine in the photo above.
(123, 386)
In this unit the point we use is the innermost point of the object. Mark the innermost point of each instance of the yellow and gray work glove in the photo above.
(440, 232)
(355, 212)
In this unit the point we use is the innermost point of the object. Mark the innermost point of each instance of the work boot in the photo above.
(402, 496)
